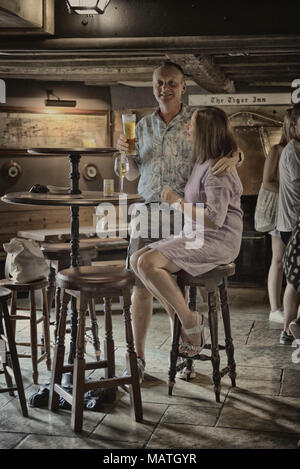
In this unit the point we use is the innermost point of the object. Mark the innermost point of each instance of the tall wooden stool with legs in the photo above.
(8, 353)
(59, 253)
(31, 288)
(212, 281)
(93, 282)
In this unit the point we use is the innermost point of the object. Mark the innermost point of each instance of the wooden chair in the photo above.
(94, 282)
(9, 356)
(212, 281)
(31, 288)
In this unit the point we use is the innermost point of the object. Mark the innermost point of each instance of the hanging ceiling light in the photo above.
(87, 7)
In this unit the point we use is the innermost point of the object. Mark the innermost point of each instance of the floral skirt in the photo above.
(291, 260)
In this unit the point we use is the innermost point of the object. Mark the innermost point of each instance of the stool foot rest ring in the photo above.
(213, 281)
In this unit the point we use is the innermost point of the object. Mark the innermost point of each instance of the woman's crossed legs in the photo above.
(155, 271)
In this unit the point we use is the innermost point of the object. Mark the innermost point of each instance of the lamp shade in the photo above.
(87, 7)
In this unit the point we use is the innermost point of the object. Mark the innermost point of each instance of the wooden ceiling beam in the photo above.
(175, 44)
(60, 78)
(258, 66)
(96, 77)
(273, 73)
(44, 69)
(107, 62)
(252, 61)
(214, 63)
(283, 84)
(204, 72)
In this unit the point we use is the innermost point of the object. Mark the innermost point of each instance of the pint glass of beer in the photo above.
(129, 121)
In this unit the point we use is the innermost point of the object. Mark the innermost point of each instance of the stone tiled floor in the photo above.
(263, 411)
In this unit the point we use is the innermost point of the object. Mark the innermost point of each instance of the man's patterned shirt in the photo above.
(163, 154)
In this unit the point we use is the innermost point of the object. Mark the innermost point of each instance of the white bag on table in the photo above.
(25, 261)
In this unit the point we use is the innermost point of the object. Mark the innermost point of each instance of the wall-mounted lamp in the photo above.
(87, 7)
(57, 102)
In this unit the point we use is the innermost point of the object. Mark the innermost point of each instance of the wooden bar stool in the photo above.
(9, 357)
(93, 282)
(31, 288)
(60, 253)
(212, 281)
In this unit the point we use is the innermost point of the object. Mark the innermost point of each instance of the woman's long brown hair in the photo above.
(213, 137)
(287, 132)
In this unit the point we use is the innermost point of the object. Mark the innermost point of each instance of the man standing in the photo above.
(289, 212)
(163, 159)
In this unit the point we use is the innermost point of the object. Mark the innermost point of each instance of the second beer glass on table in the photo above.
(129, 121)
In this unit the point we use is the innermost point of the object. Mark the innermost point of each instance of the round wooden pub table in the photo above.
(75, 199)
(85, 199)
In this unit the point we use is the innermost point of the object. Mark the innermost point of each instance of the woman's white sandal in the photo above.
(190, 350)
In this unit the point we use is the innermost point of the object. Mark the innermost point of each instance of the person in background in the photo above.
(222, 222)
(163, 159)
(271, 183)
(295, 329)
(289, 212)
(292, 273)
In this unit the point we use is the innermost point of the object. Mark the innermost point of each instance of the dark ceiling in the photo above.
(223, 46)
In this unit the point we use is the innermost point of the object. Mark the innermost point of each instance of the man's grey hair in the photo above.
(168, 64)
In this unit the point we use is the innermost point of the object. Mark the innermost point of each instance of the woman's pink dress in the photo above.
(221, 198)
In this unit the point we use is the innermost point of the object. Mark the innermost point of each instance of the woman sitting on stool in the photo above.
(221, 221)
